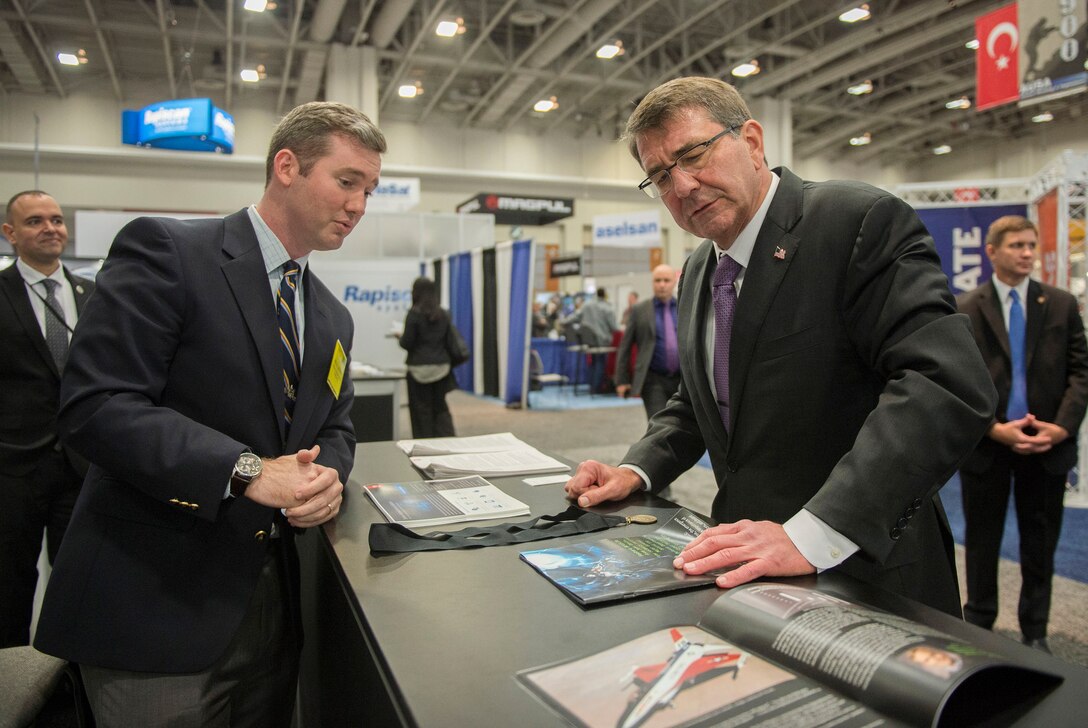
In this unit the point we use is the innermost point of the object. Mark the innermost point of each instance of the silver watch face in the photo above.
(248, 465)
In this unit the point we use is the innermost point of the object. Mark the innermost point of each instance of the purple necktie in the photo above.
(672, 353)
(725, 302)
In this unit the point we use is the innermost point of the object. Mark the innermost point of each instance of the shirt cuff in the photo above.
(823, 546)
(640, 473)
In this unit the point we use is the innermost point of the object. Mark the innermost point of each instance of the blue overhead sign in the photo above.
(192, 125)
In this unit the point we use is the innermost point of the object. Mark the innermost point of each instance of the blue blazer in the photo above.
(175, 369)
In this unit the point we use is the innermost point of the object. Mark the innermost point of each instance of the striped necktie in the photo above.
(292, 361)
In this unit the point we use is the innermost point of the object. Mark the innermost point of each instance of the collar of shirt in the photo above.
(1006, 302)
(275, 255)
(741, 249)
(34, 277)
(37, 293)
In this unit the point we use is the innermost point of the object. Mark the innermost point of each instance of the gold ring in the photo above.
(329, 506)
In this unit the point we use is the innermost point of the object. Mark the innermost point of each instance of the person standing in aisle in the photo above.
(206, 385)
(430, 369)
(596, 322)
(40, 301)
(823, 364)
(1032, 338)
(652, 329)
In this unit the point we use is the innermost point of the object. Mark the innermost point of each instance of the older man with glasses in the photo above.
(823, 364)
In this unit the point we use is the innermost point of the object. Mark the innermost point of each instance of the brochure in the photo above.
(434, 502)
(621, 568)
(775, 654)
(519, 461)
(496, 442)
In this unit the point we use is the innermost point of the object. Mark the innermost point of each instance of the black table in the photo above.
(435, 639)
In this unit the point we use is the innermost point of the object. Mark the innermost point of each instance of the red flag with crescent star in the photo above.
(997, 71)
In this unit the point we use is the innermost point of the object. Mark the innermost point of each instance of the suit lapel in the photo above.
(989, 305)
(692, 311)
(15, 289)
(317, 359)
(80, 289)
(248, 281)
(773, 253)
(1036, 314)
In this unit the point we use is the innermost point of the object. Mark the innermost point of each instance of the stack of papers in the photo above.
(495, 455)
(433, 502)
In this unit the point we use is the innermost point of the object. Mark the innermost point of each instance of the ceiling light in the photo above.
(942, 149)
(971, 45)
(72, 59)
(450, 28)
(861, 141)
(1043, 117)
(255, 6)
(744, 70)
(853, 15)
(961, 103)
(546, 105)
(410, 91)
(610, 50)
(253, 75)
(860, 89)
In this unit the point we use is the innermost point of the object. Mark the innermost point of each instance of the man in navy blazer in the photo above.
(177, 586)
(1031, 446)
(39, 478)
(656, 378)
(849, 388)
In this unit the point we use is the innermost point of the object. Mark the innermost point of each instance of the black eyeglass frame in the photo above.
(648, 182)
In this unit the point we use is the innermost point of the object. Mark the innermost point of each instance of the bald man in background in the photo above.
(652, 331)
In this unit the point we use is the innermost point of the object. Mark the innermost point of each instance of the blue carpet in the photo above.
(1071, 559)
(565, 398)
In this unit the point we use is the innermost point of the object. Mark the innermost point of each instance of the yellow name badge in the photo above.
(336, 368)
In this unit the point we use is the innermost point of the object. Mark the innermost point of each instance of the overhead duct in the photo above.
(325, 19)
(388, 21)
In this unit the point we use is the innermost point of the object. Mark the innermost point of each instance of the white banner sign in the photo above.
(394, 194)
(628, 230)
(378, 293)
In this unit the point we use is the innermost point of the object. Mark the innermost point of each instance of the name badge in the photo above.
(336, 368)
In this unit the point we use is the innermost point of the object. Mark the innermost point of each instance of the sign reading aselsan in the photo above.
(511, 210)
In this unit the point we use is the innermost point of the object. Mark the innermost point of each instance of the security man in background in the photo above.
(652, 330)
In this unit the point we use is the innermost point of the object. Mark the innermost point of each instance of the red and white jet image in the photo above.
(690, 664)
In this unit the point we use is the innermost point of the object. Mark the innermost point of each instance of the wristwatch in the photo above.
(246, 469)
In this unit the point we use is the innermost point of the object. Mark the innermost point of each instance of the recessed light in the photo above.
(942, 149)
(744, 70)
(68, 59)
(961, 103)
(450, 28)
(861, 141)
(971, 45)
(410, 90)
(853, 15)
(250, 75)
(255, 6)
(1043, 117)
(860, 89)
(610, 50)
(546, 105)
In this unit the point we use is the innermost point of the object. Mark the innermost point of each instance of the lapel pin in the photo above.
(79, 289)
(780, 253)
(1041, 299)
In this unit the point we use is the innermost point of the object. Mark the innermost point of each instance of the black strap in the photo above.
(395, 538)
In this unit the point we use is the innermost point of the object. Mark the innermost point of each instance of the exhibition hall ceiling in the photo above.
(505, 56)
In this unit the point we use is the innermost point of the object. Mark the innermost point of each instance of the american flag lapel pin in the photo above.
(780, 253)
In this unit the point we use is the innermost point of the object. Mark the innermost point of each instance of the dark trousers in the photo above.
(1037, 497)
(252, 684)
(427, 408)
(656, 390)
(37, 502)
(596, 372)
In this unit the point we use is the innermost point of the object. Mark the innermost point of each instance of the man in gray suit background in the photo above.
(652, 331)
(40, 301)
(823, 364)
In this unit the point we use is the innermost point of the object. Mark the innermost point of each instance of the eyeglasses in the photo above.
(660, 182)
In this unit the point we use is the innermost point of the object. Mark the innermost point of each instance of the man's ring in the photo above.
(329, 506)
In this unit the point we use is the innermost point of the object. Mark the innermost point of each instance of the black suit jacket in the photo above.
(175, 370)
(29, 377)
(856, 389)
(1057, 365)
(641, 332)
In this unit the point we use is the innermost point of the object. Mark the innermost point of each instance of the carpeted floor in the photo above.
(603, 427)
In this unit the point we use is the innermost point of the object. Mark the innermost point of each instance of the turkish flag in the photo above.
(997, 71)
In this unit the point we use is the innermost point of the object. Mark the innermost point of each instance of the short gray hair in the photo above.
(721, 101)
(306, 130)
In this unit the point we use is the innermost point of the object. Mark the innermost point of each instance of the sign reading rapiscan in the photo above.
(191, 125)
(515, 210)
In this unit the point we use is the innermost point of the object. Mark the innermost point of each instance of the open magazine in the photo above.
(421, 503)
(632, 565)
(773, 654)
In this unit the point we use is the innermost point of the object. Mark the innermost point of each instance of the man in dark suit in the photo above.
(39, 478)
(206, 386)
(1032, 338)
(823, 364)
(652, 331)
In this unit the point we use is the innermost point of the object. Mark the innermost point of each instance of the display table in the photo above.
(375, 413)
(435, 639)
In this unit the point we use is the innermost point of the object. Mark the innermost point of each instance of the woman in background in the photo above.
(430, 375)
